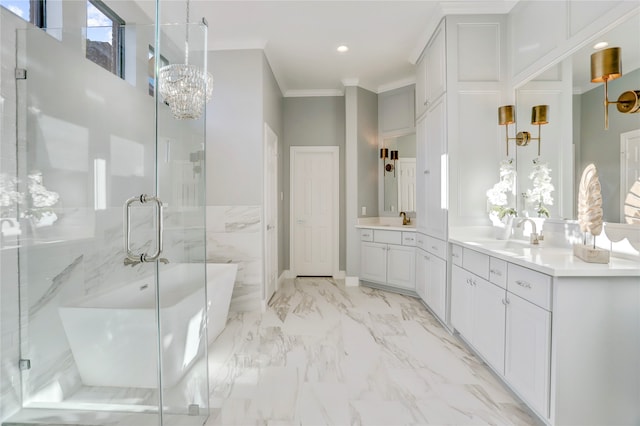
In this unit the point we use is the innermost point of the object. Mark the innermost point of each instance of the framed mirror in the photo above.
(397, 175)
(575, 135)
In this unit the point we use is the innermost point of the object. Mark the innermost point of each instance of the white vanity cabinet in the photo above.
(478, 314)
(528, 351)
(388, 258)
(502, 310)
(431, 274)
(561, 333)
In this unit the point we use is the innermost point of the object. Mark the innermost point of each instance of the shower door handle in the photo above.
(142, 257)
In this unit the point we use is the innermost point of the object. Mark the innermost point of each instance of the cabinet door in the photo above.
(435, 56)
(461, 302)
(422, 263)
(421, 175)
(489, 322)
(436, 180)
(373, 262)
(421, 86)
(527, 354)
(437, 286)
(401, 266)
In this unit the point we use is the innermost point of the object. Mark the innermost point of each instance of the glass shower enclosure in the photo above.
(103, 234)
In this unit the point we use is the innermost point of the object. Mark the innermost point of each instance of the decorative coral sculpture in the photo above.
(590, 216)
(632, 204)
(590, 202)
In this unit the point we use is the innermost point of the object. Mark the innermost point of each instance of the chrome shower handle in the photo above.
(143, 257)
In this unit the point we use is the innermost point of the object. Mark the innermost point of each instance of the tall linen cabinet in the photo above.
(460, 83)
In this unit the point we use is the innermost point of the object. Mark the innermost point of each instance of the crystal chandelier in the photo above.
(186, 88)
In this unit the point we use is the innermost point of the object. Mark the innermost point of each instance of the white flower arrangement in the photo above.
(498, 194)
(540, 195)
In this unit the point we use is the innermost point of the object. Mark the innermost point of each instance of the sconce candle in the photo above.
(538, 117)
(384, 154)
(606, 65)
(394, 157)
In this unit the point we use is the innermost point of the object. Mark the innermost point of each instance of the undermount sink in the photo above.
(507, 244)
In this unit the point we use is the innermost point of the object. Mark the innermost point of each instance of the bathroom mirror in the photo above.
(575, 135)
(398, 177)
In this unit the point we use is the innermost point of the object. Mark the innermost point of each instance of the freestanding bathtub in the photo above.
(113, 335)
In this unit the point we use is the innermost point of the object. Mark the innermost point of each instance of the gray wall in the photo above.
(602, 147)
(367, 152)
(317, 121)
(234, 129)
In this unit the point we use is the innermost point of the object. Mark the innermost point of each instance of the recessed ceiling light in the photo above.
(600, 45)
(342, 48)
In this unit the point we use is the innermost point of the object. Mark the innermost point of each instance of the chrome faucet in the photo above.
(533, 238)
(405, 220)
(133, 263)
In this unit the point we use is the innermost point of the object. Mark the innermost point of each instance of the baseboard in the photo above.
(340, 275)
(287, 274)
(351, 281)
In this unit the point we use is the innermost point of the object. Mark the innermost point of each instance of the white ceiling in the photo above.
(300, 37)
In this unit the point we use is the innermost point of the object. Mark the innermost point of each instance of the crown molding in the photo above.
(312, 93)
(396, 84)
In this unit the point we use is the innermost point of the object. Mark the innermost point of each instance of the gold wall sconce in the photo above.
(391, 155)
(606, 65)
(506, 116)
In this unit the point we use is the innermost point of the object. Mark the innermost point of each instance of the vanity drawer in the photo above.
(456, 255)
(437, 247)
(476, 262)
(388, 237)
(530, 285)
(498, 272)
(421, 241)
(408, 238)
(366, 234)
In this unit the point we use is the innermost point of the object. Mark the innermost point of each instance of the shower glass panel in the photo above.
(94, 327)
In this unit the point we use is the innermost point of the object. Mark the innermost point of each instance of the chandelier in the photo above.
(186, 88)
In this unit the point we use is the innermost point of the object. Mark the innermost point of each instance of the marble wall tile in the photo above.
(234, 235)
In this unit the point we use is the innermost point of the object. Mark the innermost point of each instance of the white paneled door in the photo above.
(270, 211)
(314, 210)
(629, 175)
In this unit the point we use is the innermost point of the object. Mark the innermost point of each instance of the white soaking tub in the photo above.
(113, 335)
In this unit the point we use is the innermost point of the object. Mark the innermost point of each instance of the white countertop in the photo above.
(556, 261)
(385, 223)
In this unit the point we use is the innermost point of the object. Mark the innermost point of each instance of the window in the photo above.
(105, 37)
(30, 10)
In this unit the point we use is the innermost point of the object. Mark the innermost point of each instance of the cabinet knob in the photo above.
(495, 272)
(426, 172)
(523, 284)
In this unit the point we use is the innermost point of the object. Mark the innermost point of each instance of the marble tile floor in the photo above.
(326, 354)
